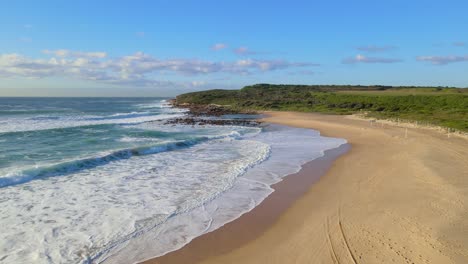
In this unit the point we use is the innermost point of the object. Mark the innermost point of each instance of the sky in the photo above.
(164, 48)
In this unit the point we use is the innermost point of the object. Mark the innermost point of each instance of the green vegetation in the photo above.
(435, 105)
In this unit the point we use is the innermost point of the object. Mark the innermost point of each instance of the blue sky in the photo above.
(162, 48)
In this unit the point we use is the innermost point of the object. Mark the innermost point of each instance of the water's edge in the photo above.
(291, 149)
(251, 224)
(255, 222)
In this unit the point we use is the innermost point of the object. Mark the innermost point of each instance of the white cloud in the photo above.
(140, 34)
(365, 59)
(69, 53)
(135, 69)
(442, 60)
(266, 65)
(219, 46)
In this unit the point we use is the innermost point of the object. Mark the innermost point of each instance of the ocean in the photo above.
(106, 180)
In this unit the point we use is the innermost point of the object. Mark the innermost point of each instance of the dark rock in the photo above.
(218, 122)
(209, 115)
(208, 110)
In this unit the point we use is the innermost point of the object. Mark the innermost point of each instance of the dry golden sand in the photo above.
(394, 198)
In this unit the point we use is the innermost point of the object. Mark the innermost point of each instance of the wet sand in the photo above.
(397, 197)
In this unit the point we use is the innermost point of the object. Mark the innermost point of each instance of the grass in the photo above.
(446, 107)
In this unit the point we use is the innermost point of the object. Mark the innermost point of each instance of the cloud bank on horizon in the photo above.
(138, 69)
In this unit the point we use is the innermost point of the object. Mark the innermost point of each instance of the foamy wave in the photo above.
(89, 212)
(137, 139)
(158, 104)
(70, 167)
(289, 149)
(129, 205)
(16, 124)
(122, 116)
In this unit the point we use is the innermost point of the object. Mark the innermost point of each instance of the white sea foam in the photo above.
(290, 149)
(137, 139)
(163, 104)
(70, 218)
(133, 209)
(16, 124)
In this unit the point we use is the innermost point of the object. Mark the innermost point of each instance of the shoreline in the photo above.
(399, 197)
(253, 223)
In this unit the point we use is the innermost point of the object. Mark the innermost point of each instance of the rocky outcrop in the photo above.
(210, 115)
(208, 110)
(217, 122)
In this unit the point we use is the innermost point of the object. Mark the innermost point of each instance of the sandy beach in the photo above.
(398, 196)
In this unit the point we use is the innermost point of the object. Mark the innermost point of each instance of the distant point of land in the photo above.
(441, 106)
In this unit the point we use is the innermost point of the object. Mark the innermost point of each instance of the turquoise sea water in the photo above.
(49, 137)
(92, 180)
